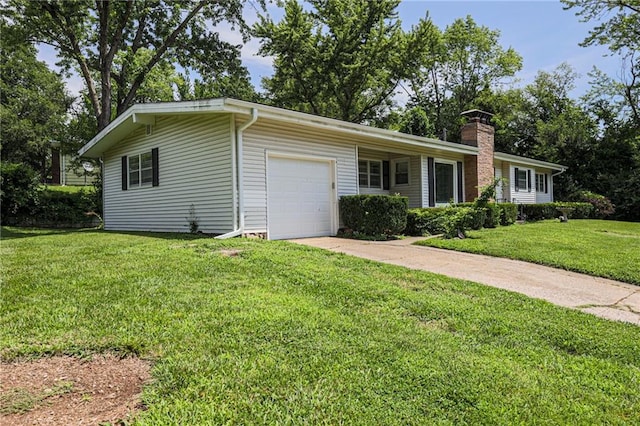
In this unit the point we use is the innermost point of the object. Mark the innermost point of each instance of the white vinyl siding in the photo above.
(261, 138)
(522, 195)
(546, 195)
(194, 168)
(497, 174)
(414, 189)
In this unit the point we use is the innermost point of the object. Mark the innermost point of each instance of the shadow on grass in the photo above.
(11, 233)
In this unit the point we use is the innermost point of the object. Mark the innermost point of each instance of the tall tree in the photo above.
(33, 102)
(343, 59)
(468, 61)
(116, 45)
(621, 33)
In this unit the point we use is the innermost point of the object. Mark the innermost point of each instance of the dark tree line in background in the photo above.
(346, 59)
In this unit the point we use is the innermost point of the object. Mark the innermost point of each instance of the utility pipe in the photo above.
(240, 175)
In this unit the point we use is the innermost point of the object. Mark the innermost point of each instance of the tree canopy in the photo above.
(343, 59)
(33, 102)
(117, 45)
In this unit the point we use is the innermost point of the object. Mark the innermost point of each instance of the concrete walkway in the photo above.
(599, 296)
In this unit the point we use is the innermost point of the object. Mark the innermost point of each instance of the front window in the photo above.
(521, 179)
(370, 174)
(445, 182)
(140, 169)
(541, 182)
(401, 175)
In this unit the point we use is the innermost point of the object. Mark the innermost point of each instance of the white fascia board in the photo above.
(304, 119)
(126, 123)
(528, 161)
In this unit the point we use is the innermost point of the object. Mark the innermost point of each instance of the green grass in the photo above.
(72, 189)
(601, 248)
(255, 332)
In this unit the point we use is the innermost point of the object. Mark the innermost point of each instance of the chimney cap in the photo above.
(477, 115)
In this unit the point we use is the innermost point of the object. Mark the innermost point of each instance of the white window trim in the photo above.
(394, 163)
(368, 186)
(543, 189)
(527, 170)
(455, 180)
(140, 184)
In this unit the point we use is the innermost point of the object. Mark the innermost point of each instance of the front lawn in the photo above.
(254, 332)
(603, 248)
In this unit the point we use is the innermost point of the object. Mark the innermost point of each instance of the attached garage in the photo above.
(301, 197)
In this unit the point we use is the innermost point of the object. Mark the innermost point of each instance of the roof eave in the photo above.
(530, 161)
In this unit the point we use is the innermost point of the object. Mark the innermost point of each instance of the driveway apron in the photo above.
(605, 298)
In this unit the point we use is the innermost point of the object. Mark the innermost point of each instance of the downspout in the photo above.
(240, 176)
(554, 175)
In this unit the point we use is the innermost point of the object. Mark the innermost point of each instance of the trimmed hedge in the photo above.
(543, 211)
(508, 213)
(57, 209)
(374, 216)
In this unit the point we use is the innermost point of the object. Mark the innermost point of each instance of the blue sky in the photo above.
(542, 32)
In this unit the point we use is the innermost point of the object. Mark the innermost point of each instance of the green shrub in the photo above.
(378, 216)
(65, 208)
(508, 213)
(492, 212)
(602, 206)
(449, 221)
(543, 211)
(479, 215)
(18, 190)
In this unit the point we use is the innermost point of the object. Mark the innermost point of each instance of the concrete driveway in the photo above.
(599, 296)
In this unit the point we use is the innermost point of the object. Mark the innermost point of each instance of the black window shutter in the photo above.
(546, 184)
(155, 178)
(125, 173)
(431, 174)
(515, 180)
(460, 189)
(385, 175)
(529, 180)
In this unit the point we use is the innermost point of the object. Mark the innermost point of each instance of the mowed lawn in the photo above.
(603, 248)
(255, 332)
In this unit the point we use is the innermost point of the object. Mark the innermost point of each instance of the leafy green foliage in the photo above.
(374, 215)
(18, 190)
(607, 249)
(57, 207)
(602, 206)
(342, 59)
(33, 103)
(465, 61)
(544, 211)
(508, 213)
(281, 333)
(448, 221)
(128, 51)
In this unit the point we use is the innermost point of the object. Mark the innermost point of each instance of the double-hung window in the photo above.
(140, 170)
(522, 179)
(401, 172)
(370, 174)
(541, 183)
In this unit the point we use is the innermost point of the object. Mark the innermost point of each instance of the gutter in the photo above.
(559, 173)
(240, 178)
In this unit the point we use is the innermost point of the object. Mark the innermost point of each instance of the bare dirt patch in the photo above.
(67, 390)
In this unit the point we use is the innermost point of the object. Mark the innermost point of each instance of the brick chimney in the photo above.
(478, 170)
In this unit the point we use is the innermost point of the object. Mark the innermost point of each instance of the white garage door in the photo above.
(299, 198)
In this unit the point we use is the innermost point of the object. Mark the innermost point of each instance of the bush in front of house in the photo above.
(448, 221)
(508, 213)
(535, 212)
(374, 216)
(18, 191)
(602, 206)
